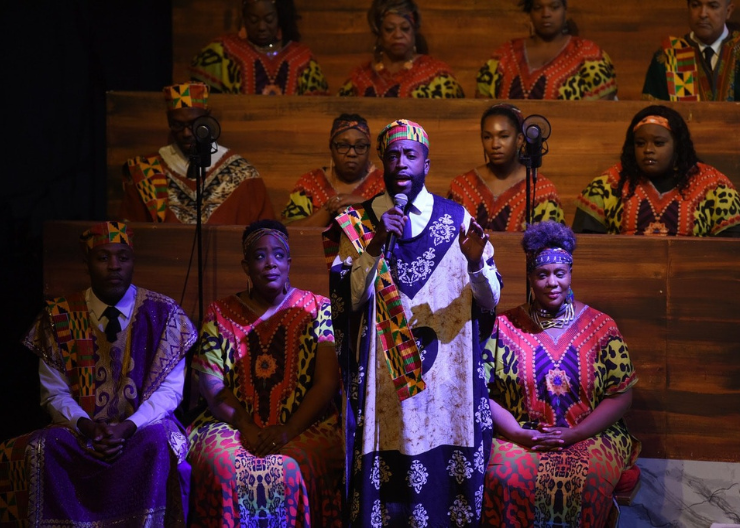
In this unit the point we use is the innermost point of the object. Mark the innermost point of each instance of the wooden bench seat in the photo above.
(284, 137)
(675, 301)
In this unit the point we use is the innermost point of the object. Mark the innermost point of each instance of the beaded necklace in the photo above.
(546, 320)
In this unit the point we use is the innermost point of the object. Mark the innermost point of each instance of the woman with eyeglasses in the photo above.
(351, 177)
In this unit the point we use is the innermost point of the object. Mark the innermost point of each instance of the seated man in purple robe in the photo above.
(112, 370)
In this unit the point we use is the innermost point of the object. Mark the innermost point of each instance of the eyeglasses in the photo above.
(360, 148)
(179, 126)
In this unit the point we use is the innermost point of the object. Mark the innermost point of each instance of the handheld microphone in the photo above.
(399, 202)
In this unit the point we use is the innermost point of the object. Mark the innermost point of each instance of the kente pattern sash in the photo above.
(70, 321)
(401, 352)
(151, 182)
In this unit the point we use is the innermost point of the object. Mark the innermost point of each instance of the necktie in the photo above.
(114, 325)
(708, 54)
(407, 225)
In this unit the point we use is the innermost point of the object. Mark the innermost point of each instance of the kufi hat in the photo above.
(186, 95)
(106, 233)
(399, 130)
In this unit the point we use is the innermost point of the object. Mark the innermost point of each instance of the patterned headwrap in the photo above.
(186, 95)
(106, 233)
(653, 120)
(341, 125)
(399, 130)
(254, 236)
(548, 256)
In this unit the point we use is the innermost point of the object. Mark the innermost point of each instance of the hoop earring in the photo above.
(286, 287)
(249, 287)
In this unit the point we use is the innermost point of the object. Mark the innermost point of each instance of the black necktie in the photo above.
(708, 54)
(114, 325)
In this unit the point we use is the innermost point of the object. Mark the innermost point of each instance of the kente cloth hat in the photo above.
(106, 233)
(186, 95)
(399, 130)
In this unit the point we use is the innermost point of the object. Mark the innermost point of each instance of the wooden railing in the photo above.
(676, 302)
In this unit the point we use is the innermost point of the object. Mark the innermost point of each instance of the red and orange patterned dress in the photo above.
(231, 64)
(313, 190)
(708, 206)
(425, 78)
(507, 211)
(558, 382)
(580, 71)
(269, 365)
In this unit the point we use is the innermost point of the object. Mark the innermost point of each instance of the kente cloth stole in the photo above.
(151, 183)
(682, 72)
(71, 324)
(401, 353)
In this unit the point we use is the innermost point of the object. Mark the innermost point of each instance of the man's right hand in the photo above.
(102, 442)
(392, 221)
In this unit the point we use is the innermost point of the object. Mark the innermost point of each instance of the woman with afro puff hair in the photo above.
(659, 187)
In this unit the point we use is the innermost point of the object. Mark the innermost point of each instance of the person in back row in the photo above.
(264, 58)
(659, 187)
(701, 66)
(321, 194)
(162, 187)
(112, 368)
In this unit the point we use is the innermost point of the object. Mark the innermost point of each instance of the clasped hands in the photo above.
(547, 437)
(338, 202)
(106, 441)
(263, 441)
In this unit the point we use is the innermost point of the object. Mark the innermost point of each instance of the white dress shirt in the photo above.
(484, 282)
(716, 45)
(56, 394)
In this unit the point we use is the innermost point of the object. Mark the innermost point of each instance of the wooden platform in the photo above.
(285, 137)
(675, 300)
(462, 33)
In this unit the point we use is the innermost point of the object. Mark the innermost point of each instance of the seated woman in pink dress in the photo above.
(268, 451)
(559, 380)
(495, 193)
(550, 64)
(265, 57)
(401, 66)
(318, 196)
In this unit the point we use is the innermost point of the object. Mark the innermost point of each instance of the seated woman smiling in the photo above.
(560, 379)
(268, 451)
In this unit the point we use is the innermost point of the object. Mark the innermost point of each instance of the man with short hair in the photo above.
(162, 187)
(112, 367)
(701, 66)
(408, 317)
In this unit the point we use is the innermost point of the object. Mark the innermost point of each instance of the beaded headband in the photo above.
(400, 130)
(341, 125)
(548, 256)
(254, 236)
(186, 95)
(106, 233)
(653, 120)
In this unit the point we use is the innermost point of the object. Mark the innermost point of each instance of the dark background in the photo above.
(59, 59)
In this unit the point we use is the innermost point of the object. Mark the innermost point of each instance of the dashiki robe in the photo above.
(580, 71)
(269, 365)
(709, 205)
(231, 64)
(425, 78)
(558, 382)
(52, 479)
(158, 188)
(414, 457)
(678, 72)
(507, 211)
(313, 190)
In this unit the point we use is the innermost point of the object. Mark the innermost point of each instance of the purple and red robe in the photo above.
(48, 477)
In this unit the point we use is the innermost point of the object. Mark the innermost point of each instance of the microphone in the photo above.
(206, 131)
(400, 201)
(536, 129)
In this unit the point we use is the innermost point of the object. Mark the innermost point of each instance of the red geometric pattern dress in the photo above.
(424, 77)
(709, 205)
(269, 365)
(557, 382)
(580, 71)
(313, 190)
(507, 211)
